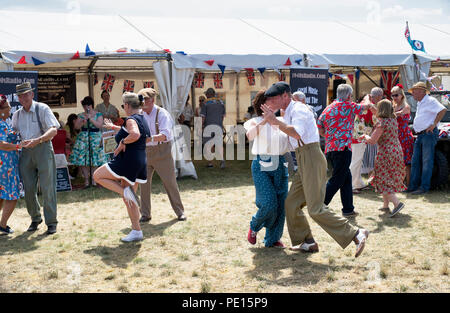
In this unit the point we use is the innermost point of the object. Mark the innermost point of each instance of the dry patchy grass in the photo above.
(209, 252)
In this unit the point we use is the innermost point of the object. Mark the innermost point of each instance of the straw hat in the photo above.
(23, 88)
(419, 85)
(147, 92)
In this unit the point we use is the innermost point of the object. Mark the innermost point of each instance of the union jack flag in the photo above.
(108, 82)
(150, 84)
(128, 85)
(250, 76)
(388, 80)
(218, 81)
(199, 80)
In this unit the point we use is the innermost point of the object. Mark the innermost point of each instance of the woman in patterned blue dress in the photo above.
(270, 175)
(9, 167)
(128, 168)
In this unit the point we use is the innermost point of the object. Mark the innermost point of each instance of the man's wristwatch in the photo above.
(40, 140)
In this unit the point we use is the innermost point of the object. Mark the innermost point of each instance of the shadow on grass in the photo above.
(400, 220)
(20, 244)
(236, 174)
(118, 256)
(269, 262)
(126, 252)
(156, 230)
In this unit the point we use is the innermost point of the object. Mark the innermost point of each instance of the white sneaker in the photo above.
(134, 235)
(360, 242)
(129, 196)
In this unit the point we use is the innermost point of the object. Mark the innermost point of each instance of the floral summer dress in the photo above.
(9, 165)
(406, 137)
(80, 151)
(389, 171)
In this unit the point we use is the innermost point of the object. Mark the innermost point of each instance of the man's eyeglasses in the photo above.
(123, 106)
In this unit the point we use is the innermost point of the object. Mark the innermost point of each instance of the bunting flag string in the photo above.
(149, 84)
(218, 81)
(350, 76)
(262, 70)
(37, 61)
(22, 60)
(108, 82)
(128, 85)
(209, 62)
(88, 51)
(199, 80)
(250, 76)
(222, 68)
(288, 62)
(75, 56)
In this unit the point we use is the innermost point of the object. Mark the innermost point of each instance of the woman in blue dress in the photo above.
(129, 165)
(9, 167)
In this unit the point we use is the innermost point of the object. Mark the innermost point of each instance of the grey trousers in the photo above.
(159, 159)
(308, 189)
(39, 163)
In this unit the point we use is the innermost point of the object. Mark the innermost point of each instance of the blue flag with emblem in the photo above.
(415, 44)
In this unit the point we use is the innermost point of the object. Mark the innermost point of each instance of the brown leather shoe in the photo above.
(306, 247)
(144, 219)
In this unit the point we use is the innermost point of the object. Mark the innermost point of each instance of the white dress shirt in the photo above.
(426, 113)
(27, 125)
(165, 124)
(270, 140)
(302, 119)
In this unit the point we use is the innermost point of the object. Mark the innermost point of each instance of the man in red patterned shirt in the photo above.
(336, 124)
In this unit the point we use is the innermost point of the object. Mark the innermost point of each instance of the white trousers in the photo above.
(356, 165)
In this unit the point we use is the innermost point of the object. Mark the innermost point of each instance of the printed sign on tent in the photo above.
(8, 82)
(313, 83)
(58, 90)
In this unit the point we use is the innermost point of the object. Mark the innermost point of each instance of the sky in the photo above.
(362, 11)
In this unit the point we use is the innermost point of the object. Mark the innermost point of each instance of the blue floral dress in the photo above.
(9, 165)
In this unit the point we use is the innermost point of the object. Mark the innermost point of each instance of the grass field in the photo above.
(209, 252)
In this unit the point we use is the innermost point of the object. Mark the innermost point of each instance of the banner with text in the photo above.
(58, 90)
(313, 83)
(8, 82)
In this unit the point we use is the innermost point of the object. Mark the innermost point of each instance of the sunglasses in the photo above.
(123, 106)
(395, 95)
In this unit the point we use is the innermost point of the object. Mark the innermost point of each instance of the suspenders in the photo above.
(157, 124)
(37, 116)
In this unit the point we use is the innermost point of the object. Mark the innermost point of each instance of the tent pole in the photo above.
(237, 96)
(357, 85)
(90, 80)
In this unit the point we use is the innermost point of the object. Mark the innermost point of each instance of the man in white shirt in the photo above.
(429, 113)
(37, 126)
(159, 156)
(309, 183)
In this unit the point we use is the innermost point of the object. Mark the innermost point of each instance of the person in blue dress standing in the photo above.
(129, 165)
(9, 167)
(270, 175)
